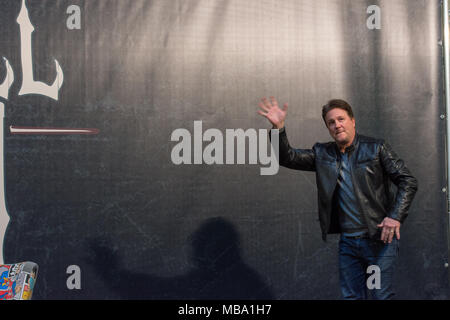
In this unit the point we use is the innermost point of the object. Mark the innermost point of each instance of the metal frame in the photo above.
(446, 53)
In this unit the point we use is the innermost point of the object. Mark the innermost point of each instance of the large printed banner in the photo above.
(134, 163)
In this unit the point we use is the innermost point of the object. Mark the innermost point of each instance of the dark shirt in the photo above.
(350, 218)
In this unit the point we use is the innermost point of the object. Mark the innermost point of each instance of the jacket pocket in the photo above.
(367, 163)
(326, 161)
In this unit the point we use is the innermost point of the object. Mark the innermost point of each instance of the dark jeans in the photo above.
(355, 257)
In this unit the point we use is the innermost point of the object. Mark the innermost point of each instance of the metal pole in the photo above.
(445, 14)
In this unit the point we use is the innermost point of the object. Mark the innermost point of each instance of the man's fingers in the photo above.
(267, 105)
(274, 101)
(264, 114)
(397, 233)
(266, 102)
(263, 106)
(390, 228)
(385, 235)
(388, 233)
(392, 232)
(391, 235)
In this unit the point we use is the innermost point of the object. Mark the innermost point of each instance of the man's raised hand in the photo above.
(272, 112)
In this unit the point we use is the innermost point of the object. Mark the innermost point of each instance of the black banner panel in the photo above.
(136, 166)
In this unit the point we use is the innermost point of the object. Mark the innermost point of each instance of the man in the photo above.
(355, 195)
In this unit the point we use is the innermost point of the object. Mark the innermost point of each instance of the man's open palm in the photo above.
(273, 112)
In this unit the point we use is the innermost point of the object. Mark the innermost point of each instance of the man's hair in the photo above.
(337, 103)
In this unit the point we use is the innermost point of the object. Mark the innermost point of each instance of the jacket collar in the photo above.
(350, 148)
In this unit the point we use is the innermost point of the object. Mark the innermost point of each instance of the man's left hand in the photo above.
(390, 227)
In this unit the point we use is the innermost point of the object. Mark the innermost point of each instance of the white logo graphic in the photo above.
(213, 153)
(74, 280)
(4, 216)
(374, 281)
(74, 21)
(31, 86)
(374, 21)
(28, 84)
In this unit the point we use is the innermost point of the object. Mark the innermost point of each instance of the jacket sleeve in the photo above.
(402, 178)
(298, 159)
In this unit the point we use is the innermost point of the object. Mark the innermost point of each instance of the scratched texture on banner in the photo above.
(136, 225)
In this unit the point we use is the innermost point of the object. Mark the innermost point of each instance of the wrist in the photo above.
(278, 126)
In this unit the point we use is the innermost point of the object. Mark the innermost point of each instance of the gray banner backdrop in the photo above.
(139, 226)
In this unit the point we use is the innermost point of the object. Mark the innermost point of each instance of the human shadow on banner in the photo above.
(218, 273)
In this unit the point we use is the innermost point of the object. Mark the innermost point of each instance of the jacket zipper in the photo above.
(357, 196)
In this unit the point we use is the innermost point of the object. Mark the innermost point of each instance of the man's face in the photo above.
(340, 126)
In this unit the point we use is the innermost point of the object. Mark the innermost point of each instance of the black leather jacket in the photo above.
(375, 167)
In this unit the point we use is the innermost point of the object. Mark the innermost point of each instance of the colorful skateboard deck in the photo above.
(17, 280)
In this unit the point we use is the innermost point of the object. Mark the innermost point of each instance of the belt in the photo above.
(363, 236)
